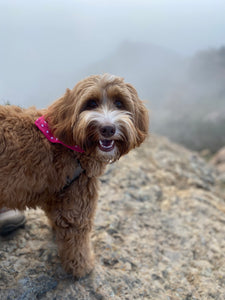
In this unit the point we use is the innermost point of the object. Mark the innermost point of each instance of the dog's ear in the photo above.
(141, 117)
(60, 117)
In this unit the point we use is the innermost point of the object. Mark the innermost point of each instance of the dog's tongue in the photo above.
(106, 145)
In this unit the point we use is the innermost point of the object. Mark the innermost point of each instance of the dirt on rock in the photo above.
(159, 234)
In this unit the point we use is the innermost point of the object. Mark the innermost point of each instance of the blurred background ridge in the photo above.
(173, 52)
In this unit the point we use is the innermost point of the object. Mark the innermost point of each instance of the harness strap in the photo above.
(79, 170)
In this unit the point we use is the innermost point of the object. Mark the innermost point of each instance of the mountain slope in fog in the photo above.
(198, 103)
(148, 67)
(186, 96)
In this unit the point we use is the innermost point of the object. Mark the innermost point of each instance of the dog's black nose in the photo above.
(108, 131)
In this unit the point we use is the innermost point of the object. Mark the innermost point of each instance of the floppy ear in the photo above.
(141, 117)
(59, 117)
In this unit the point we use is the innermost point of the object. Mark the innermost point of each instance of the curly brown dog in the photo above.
(52, 158)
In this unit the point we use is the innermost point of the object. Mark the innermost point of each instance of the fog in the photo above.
(162, 47)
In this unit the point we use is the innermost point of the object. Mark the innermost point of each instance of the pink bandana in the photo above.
(43, 126)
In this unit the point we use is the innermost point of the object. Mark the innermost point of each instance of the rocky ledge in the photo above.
(159, 234)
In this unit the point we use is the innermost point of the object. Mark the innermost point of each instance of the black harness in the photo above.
(78, 171)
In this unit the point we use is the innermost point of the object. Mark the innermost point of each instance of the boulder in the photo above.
(218, 160)
(159, 234)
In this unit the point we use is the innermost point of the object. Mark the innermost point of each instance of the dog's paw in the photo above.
(79, 266)
(84, 268)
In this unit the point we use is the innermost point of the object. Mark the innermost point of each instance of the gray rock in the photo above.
(159, 234)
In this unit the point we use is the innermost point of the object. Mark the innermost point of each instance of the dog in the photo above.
(52, 158)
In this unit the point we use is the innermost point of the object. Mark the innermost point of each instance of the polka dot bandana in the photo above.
(43, 126)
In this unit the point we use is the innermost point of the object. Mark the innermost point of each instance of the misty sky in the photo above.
(45, 43)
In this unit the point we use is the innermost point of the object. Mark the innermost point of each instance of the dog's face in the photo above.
(101, 114)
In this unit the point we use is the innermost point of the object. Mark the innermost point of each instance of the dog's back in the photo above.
(20, 155)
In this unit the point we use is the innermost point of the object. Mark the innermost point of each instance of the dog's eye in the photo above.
(118, 104)
(91, 104)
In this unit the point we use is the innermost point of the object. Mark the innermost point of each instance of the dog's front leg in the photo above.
(72, 218)
(73, 231)
(75, 250)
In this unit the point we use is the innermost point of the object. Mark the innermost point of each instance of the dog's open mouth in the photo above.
(106, 145)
